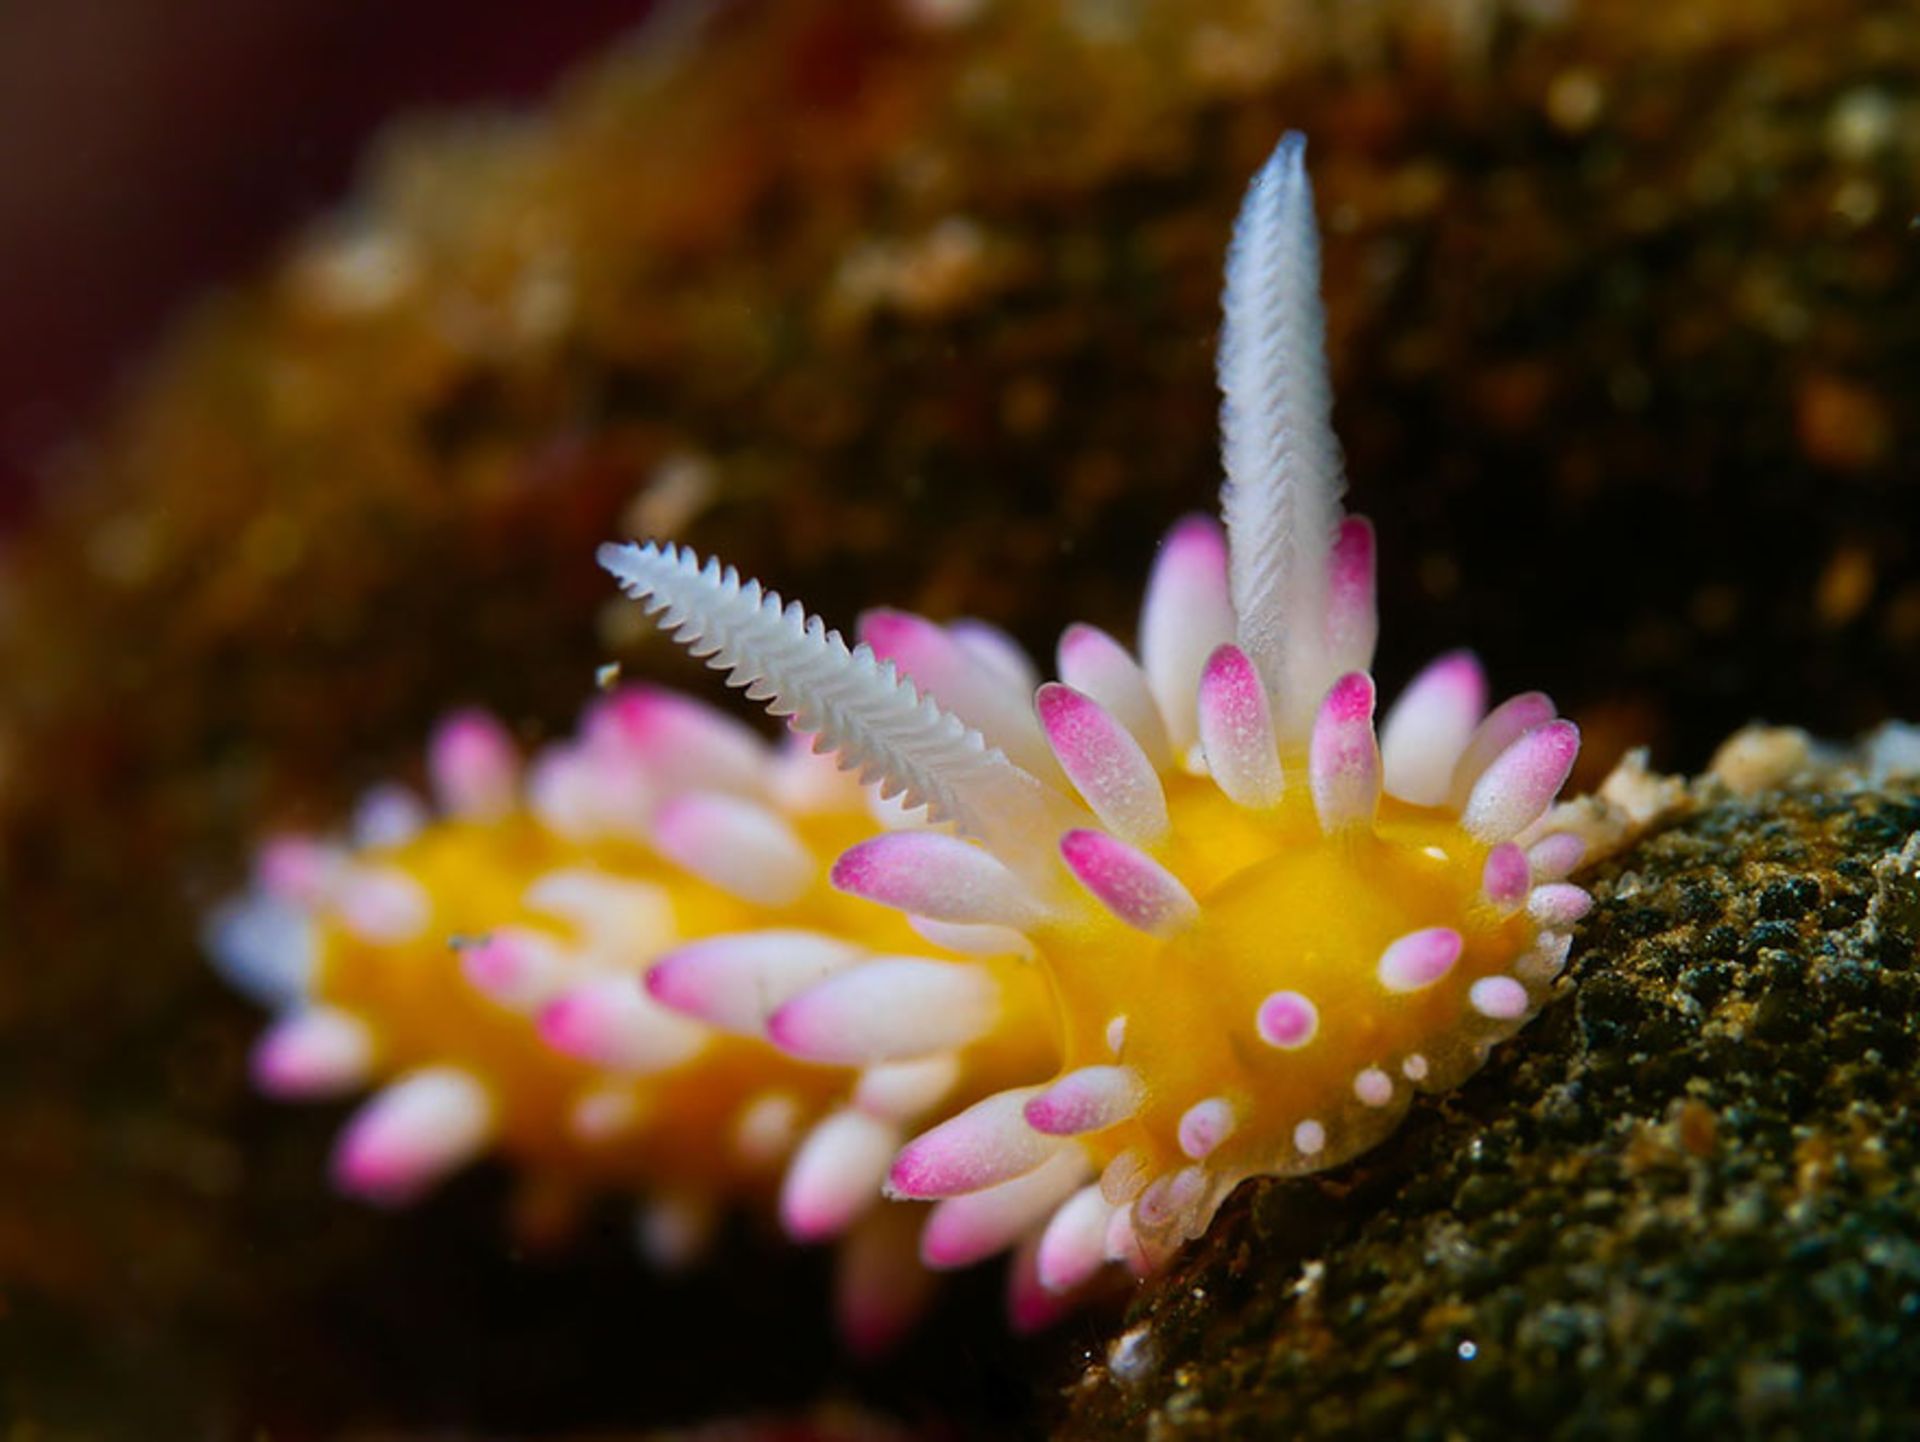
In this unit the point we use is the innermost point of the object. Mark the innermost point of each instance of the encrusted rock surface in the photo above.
(1685, 1202)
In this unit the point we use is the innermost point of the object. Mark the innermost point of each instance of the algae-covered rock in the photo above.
(1685, 1202)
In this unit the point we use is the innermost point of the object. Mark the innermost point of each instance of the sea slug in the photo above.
(1264, 923)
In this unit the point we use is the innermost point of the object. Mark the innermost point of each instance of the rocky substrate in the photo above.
(1684, 1203)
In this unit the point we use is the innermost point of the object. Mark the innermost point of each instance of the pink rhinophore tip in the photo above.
(1343, 758)
(927, 873)
(1236, 730)
(406, 1137)
(1129, 883)
(1105, 762)
(1073, 1247)
(1088, 1100)
(1521, 783)
(1352, 623)
(313, 1053)
(963, 1230)
(736, 982)
(889, 1009)
(836, 1174)
(989, 1142)
(1095, 664)
(1505, 878)
(474, 766)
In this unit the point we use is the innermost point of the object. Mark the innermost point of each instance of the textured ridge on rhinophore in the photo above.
(1281, 458)
(855, 704)
(1278, 926)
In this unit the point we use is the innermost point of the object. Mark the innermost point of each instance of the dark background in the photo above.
(150, 148)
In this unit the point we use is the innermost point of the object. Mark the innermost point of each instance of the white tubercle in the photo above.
(889, 1009)
(474, 767)
(994, 649)
(977, 690)
(515, 967)
(965, 1229)
(766, 1128)
(836, 1174)
(1187, 614)
(617, 919)
(905, 1090)
(387, 816)
(670, 737)
(382, 905)
(737, 845)
(317, 1051)
(610, 1021)
(1074, 1245)
(1096, 665)
(411, 1133)
(931, 874)
(1205, 1125)
(263, 946)
(987, 1143)
(972, 938)
(735, 982)
(1428, 727)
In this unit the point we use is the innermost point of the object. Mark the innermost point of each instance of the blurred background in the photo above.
(149, 150)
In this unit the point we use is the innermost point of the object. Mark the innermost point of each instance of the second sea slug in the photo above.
(1265, 921)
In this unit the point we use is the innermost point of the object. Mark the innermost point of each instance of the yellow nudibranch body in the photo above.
(1120, 942)
(1264, 922)
(481, 963)
(1279, 901)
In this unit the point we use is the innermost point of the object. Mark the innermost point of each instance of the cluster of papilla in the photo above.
(476, 960)
(1264, 922)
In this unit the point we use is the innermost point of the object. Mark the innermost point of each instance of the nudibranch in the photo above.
(1264, 923)
(479, 961)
